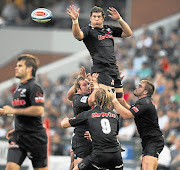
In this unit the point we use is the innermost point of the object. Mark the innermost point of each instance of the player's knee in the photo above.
(12, 166)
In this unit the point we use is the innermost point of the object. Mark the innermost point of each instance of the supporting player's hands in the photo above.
(8, 110)
(95, 78)
(2, 112)
(83, 72)
(72, 12)
(9, 134)
(114, 14)
(112, 93)
(87, 135)
(120, 74)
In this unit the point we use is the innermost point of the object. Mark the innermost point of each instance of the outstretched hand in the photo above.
(95, 78)
(120, 74)
(114, 14)
(72, 12)
(83, 72)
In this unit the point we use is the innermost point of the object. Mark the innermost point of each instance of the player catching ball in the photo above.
(98, 39)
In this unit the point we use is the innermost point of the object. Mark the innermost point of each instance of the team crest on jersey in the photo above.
(84, 99)
(108, 30)
(22, 93)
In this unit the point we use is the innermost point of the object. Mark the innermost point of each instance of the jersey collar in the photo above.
(96, 27)
(26, 81)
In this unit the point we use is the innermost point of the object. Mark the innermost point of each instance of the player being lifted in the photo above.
(98, 39)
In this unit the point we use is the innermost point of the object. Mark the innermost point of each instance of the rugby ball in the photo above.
(41, 15)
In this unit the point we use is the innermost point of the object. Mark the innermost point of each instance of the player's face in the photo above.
(97, 19)
(140, 91)
(21, 70)
(84, 87)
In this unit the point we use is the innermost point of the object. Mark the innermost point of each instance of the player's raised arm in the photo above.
(124, 112)
(71, 93)
(114, 14)
(91, 98)
(78, 34)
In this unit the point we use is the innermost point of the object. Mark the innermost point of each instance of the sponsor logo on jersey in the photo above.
(135, 109)
(102, 37)
(103, 114)
(17, 102)
(84, 99)
(39, 99)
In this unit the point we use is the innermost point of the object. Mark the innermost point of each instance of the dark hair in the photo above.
(97, 9)
(76, 82)
(149, 87)
(30, 61)
(103, 99)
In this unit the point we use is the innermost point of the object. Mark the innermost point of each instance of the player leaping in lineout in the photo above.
(98, 39)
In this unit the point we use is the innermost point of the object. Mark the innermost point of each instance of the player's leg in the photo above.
(15, 157)
(82, 147)
(45, 168)
(105, 81)
(12, 166)
(76, 168)
(119, 90)
(149, 163)
(37, 148)
(77, 160)
(72, 160)
(85, 164)
(151, 151)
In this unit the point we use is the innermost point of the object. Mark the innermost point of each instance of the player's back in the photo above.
(103, 127)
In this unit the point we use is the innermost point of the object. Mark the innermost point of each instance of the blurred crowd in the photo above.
(18, 12)
(155, 56)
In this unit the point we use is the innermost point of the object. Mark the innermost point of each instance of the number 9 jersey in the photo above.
(103, 126)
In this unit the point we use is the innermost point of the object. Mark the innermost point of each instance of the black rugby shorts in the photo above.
(32, 145)
(108, 80)
(153, 147)
(99, 160)
(81, 147)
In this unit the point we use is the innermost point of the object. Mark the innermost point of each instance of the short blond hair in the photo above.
(103, 99)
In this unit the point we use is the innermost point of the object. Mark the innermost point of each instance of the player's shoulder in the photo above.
(144, 101)
(34, 84)
(88, 27)
(81, 96)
